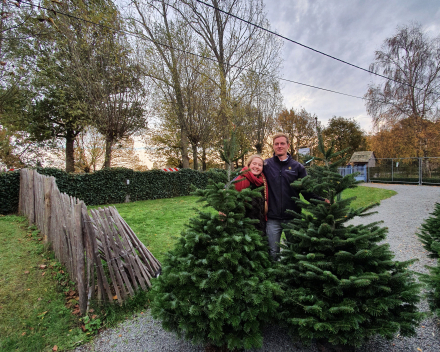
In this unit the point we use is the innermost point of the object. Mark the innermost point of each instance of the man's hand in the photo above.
(327, 201)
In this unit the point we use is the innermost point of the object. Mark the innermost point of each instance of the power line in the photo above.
(305, 46)
(140, 36)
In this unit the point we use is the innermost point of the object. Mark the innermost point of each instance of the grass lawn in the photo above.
(33, 316)
(367, 195)
(159, 222)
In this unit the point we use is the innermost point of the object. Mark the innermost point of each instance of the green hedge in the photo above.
(9, 189)
(110, 186)
(405, 180)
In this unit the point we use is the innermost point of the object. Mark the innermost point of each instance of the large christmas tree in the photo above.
(341, 283)
(217, 286)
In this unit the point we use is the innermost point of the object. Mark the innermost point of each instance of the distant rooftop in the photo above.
(361, 157)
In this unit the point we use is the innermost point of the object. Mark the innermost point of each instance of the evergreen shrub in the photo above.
(341, 283)
(430, 237)
(429, 233)
(217, 285)
(9, 191)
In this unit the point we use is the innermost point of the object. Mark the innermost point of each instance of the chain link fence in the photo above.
(421, 171)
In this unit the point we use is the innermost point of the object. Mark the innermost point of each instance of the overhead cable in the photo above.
(306, 46)
(185, 51)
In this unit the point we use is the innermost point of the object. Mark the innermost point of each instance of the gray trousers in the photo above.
(274, 229)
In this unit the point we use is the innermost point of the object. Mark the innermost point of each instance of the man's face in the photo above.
(280, 147)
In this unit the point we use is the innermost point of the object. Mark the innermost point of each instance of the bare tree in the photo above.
(201, 103)
(163, 34)
(234, 44)
(411, 61)
(263, 105)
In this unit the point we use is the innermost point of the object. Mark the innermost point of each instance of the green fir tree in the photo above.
(430, 233)
(341, 283)
(230, 153)
(217, 285)
(430, 237)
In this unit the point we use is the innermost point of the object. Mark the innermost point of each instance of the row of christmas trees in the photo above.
(335, 283)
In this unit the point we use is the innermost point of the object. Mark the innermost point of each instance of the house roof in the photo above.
(361, 157)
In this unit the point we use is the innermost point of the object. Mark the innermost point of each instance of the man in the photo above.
(280, 171)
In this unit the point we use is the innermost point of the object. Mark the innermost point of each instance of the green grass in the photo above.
(32, 312)
(158, 223)
(367, 195)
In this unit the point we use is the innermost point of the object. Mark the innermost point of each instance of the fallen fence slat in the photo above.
(84, 244)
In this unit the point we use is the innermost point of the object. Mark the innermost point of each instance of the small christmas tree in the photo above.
(430, 233)
(430, 237)
(217, 284)
(231, 153)
(341, 285)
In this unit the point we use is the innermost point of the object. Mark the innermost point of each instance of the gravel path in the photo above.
(402, 214)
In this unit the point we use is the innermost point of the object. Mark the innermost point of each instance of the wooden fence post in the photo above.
(80, 272)
(47, 209)
(21, 191)
(30, 193)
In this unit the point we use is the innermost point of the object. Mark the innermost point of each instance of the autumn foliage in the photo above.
(402, 139)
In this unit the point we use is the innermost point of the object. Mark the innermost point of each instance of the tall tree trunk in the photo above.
(108, 152)
(184, 147)
(259, 147)
(70, 157)
(203, 158)
(195, 161)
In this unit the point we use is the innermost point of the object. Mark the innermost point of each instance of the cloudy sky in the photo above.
(350, 30)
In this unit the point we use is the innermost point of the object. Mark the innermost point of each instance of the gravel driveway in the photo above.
(402, 214)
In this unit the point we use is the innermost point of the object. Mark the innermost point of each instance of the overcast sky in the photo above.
(350, 30)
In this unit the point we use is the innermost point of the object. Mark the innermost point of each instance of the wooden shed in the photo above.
(363, 158)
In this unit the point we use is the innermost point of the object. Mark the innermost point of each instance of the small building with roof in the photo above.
(363, 158)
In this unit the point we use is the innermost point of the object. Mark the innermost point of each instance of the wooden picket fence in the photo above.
(101, 253)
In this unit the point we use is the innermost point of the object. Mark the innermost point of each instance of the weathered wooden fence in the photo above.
(101, 253)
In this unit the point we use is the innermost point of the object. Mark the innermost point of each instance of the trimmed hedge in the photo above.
(9, 190)
(405, 180)
(110, 186)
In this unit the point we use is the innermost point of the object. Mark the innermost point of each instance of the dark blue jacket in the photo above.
(279, 175)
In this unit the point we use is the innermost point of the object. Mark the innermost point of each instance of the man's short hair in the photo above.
(278, 135)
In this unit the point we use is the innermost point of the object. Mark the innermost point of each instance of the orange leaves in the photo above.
(42, 315)
(70, 293)
(76, 310)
